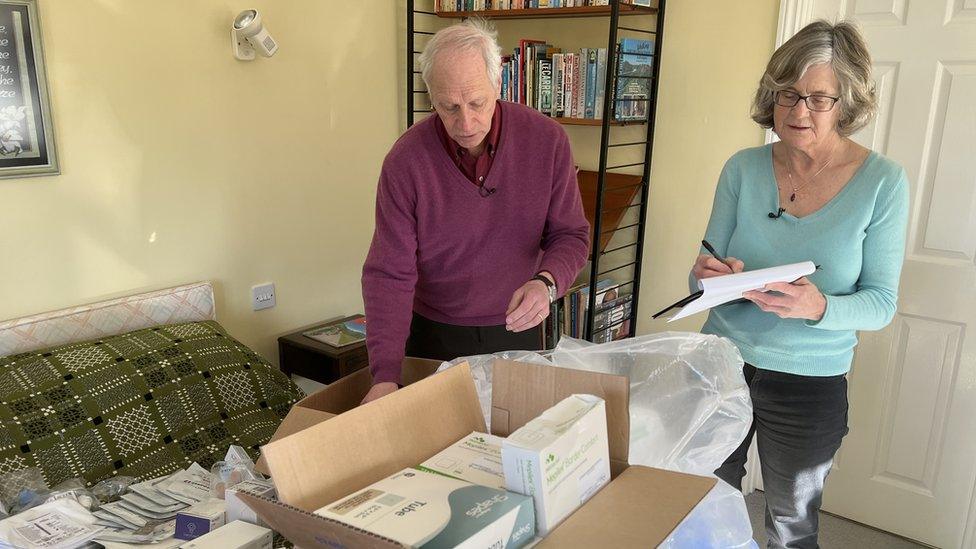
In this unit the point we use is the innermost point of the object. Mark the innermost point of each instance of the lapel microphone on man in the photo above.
(485, 192)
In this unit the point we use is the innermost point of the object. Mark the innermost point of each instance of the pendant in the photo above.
(793, 197)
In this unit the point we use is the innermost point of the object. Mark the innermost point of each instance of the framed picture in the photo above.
(26, 128)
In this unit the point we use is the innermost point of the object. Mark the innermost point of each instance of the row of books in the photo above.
(611, 320)
(481, 5)
(572, 85)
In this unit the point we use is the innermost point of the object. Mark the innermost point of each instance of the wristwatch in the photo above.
(550, 286)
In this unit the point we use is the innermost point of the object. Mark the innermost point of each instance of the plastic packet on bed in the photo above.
(151, 533)
(189, 486)
(151, 490)
(20, 487)
(74, 489)
(112, 488)
(60, 524)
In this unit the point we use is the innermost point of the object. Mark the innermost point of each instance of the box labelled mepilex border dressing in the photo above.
(327, 448)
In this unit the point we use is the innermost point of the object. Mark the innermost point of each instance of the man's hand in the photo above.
(379, 390)
(529, 306)
(706, 266)
(801, 299)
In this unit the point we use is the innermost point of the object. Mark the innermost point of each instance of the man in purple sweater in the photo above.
(479, 221)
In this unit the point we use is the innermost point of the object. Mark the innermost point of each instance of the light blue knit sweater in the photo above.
(858, 239)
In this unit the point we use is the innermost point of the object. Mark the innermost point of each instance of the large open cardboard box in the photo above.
(327, 448)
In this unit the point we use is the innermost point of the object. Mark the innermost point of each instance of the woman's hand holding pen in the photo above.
(800, 299)
(707, 266)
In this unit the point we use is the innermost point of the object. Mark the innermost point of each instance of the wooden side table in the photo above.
(301, 355)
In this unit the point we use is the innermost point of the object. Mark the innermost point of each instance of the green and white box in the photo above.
(422, 509)
(560, 458)
(476, 458)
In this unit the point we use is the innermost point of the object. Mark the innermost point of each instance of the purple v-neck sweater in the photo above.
(442, 249)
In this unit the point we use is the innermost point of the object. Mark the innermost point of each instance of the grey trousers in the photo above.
(799, 422)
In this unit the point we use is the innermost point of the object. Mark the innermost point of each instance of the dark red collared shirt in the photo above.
(475, 168)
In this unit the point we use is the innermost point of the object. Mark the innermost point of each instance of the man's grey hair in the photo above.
(840, 45)
(473, 34)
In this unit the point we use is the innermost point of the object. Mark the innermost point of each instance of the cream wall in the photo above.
(714, 54)
(180, 163)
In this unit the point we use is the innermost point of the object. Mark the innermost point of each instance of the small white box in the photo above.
(237, 509)
(235, 535)
(476, 458)
(560, 458)
(421, 509)
(200, 519)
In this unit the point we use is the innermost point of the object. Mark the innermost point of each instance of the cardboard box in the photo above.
(235, 535)
(476, 458)
(425, 509)
(237, 509)
(339, 454)
(560, 458)
(201, 518)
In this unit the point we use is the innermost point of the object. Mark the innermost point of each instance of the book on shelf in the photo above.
(612, 319)
(601, 79)
(591, 82)
(545, 86)
(340, 334)
(633, 90)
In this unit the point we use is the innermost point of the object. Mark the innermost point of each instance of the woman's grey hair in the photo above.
(840, 45)
(473, 34)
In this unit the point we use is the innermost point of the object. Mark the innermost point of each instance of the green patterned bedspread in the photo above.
(143, 404)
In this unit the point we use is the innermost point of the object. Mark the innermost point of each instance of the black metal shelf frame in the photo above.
(605, 146)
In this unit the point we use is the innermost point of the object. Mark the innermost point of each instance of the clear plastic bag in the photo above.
(19, 488)
(689, 403)
(481, 372)
(719, 520)
(73, 488)
(111, 489)
(236, 467)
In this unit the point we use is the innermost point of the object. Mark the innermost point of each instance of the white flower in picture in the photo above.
(11, 140)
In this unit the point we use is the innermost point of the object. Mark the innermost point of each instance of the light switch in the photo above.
(263, 296)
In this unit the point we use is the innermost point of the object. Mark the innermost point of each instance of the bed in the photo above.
(141, 385)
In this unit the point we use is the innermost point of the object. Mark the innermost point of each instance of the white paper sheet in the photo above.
(722, 289)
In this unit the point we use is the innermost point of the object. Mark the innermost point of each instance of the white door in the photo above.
(909, 463)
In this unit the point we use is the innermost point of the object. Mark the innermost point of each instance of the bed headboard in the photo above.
(187, 303)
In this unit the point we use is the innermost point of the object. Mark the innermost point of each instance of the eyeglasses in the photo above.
(817, 103)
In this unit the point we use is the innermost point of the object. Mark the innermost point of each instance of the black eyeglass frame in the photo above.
(805, 98)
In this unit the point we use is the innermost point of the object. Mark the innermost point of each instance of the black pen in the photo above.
(712, 251)
(715, 254)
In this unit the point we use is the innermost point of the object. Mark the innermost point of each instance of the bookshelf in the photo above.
(614, 191)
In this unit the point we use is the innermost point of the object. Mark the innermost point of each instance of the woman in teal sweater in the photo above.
(815, 195)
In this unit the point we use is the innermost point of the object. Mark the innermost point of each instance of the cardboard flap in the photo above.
(335, 458)
(341, 396)
(640, 508)
(308, 530)
(521, 391)
(298, 419)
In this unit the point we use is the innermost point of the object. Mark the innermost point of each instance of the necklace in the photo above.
(789, 174)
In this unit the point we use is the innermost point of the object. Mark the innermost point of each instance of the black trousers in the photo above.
(799, 422)
(439, 341)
